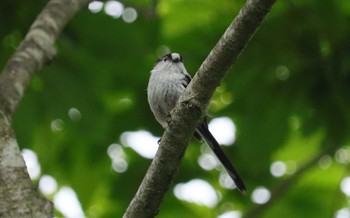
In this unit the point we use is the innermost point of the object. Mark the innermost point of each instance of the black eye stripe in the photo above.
(164, 58)
(167, 57)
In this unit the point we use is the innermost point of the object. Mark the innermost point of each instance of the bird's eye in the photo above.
(165, 59)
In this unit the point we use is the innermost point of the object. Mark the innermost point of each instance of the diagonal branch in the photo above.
(18, 197)
(192, 107)
(35, 50)
(281, 189)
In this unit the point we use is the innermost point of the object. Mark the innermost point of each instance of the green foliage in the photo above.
(288, 95)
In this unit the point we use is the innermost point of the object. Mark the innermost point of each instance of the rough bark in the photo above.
(192, 107)
(18, 197)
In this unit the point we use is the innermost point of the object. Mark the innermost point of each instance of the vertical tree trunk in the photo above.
(18, 196)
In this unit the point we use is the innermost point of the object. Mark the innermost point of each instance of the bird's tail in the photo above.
(204, 132)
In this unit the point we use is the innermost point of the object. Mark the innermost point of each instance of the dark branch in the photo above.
(281, 189)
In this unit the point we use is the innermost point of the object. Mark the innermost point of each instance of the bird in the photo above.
(169, 79)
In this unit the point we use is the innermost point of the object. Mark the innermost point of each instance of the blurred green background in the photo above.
(288, 96)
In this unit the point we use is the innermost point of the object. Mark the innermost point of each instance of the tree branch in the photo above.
(35, 50)
(191, 107)
(281, 189)
(18, 198)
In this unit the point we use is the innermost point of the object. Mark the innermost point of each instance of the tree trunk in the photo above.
(18, 196)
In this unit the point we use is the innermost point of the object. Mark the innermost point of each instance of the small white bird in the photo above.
(168, 81)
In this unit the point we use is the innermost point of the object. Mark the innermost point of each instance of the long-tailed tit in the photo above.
(168, 80)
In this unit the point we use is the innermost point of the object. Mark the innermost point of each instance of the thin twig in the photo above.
(283, 187)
